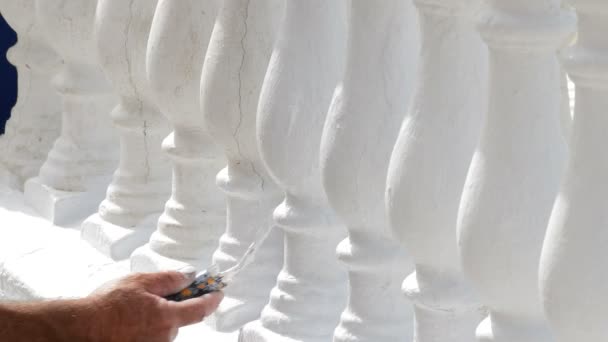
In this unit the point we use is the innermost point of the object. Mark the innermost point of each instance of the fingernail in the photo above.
(188, 271)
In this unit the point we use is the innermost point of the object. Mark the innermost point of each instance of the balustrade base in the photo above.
(256, 332)
(62, 207)
(506, 329)
(484, 331)
(8, 179)
(232, 314)
(115, 241)
(446, 324)
(228, 316)
(144, 259)
(40, 261)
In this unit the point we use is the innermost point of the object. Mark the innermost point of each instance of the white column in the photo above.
(305, 304)
(234, 69)
(566, 86)
(517, 167)
(573, 274)
(429, 165)
(566, 110)
(194, 216)
(141, 184)
(36, 117)
(362, 126)
(78, 168)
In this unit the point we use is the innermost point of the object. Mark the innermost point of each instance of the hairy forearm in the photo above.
(131, 310)
(48, 321)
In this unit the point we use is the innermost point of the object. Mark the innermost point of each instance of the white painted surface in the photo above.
(232, 77)
(306, 64)
(194, 216)
(37, 258)
(429, 165)
(141, 184)
(36, 117)
(361, 128)
(506, 202)
(37, 262)
(516, 170)
(73, 178)
(573, 275)
(63, 207)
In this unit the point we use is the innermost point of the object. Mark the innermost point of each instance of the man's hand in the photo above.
(131, 310)
(134, 308)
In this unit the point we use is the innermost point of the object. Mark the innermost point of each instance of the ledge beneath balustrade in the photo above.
(39, 260)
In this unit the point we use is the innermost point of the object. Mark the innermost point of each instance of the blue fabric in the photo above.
(8, 74)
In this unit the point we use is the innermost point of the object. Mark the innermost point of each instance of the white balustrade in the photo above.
(78, 168)
(516, 169)
(192, 222)
(429, 165)
(566, 110)
(35, 120)
(382, 167)
(573, 276)
(233, 72)
(305, 66)
(141, 184)
(362, 126)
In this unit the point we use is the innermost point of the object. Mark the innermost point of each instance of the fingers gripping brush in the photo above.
(212, 279)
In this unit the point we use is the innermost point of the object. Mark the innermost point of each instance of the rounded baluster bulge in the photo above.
(573, 278)
(429, 165)
(361, 129)
(232, 77)
(72, 180)
(515, 173)
(142, 181)
(35, 119)
(192, 222)
(305, 66)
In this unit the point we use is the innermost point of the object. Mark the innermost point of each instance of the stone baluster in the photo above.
(35, 120)
(516, 169)
(232, 77)
(78, 168)
(134, 200)
(361, 129)
(429, 165)
(194, 216)
(566, 110)
(305, 304)
(573, 276)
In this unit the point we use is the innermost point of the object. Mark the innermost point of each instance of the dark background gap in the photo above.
(8, 73)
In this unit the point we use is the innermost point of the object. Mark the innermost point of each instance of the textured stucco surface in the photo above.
(41, 261)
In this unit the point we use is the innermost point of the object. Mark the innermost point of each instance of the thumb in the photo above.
(168, 282)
